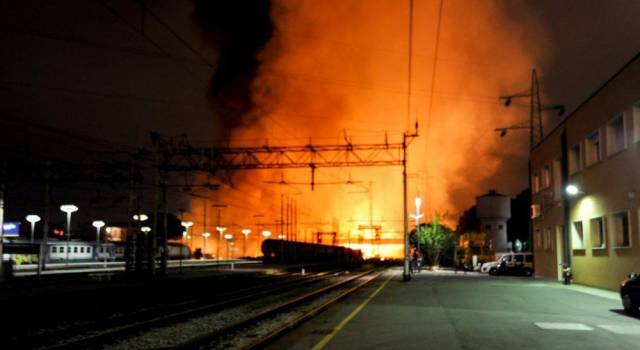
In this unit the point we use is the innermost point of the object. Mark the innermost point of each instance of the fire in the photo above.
(340, 67)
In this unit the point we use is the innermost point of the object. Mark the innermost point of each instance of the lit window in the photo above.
(535, 183)
(592, 148)
(620, 226)
(535, 211)
(616, 135)
(597, 233)
(575, 159)
(578, 235)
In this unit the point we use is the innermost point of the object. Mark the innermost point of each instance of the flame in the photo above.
(339, 65)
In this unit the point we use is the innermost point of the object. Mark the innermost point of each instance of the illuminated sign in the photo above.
(11, 229)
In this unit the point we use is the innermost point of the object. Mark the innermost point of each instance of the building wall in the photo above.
(608, 187)
(548, 211)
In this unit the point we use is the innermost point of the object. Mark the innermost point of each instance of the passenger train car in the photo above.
(82, 251)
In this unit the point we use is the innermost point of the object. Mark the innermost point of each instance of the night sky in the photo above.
(116, 70)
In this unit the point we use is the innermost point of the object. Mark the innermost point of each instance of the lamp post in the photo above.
(68, 209)
(229, 238)
(186, 225)
(205, 236)
(266, 234)
(98, 225)
(417, 216)
(32, 219)
(220, 230)
(246, 233)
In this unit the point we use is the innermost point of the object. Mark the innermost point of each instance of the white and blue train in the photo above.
(82, 251)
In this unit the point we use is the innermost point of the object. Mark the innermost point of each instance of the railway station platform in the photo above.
(456, 310)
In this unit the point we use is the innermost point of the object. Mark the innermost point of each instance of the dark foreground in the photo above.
(454, 311)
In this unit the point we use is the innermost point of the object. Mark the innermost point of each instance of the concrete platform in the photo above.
(448, 310)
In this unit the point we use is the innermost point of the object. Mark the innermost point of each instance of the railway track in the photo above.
(105, 332)
(258, 330)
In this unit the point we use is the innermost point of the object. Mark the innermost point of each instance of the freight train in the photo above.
(277, 251)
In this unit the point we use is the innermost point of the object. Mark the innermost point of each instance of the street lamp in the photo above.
(186, 225)
(145, 230)
(69, 209)
(229, 238)
(32, 220)
(140, 217)
(205, 235)
(220, 230)
(417, 216)
(246, 233)
(97, 224)
(266, 234)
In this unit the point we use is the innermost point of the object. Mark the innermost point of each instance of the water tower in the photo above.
(493, 210)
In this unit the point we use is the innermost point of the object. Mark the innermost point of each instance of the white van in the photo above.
(510, 263)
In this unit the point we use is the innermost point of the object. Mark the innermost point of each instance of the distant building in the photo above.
(493, 210)
(594, 227)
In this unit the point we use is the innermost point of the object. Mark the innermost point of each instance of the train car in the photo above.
(178, 251)
(72, 251)
(289, 252)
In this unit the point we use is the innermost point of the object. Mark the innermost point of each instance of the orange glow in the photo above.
(341, 65)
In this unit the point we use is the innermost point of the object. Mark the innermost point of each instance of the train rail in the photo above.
(106, 331)
(279, 318)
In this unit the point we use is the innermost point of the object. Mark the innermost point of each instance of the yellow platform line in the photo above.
(322, 343)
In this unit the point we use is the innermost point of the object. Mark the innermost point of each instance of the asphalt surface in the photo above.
(445, 310)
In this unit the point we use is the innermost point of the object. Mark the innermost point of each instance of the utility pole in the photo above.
(1, 224)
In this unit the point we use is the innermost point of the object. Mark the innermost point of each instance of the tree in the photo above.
(435, 240)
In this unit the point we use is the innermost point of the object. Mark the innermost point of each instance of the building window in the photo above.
(578, 235)
(616, 135)
(592, 148)
(547, 239)
(636, 121)
(620, 226)
(575, 159)
(535, 183)
(546, 177)
(539, 239)
(597, 233)
(535, 211)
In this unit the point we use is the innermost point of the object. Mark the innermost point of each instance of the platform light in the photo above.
(32, 219)
(205, 236)
(68, 209)
(98, 224)
(140, 217)
(266, 233)
(145, 229)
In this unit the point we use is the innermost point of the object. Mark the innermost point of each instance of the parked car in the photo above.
(630, 294)
(511, 264)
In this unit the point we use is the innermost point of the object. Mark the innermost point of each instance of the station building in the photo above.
(595, 153)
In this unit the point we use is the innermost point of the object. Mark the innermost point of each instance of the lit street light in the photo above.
(69, 209)
(229, 238)
(140, 217)
(32, 219)
(205, 236)
(246, 233)
(145, 229)
(266, 234)
(98, 225)
(220, 230)
(186, 225)
(417, 216)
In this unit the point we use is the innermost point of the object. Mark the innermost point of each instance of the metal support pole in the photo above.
(45, 224)
(68, 235)
(406, 276)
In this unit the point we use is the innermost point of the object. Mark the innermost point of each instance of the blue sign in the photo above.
(11, 228)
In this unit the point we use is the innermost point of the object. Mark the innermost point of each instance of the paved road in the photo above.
(455, 311)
